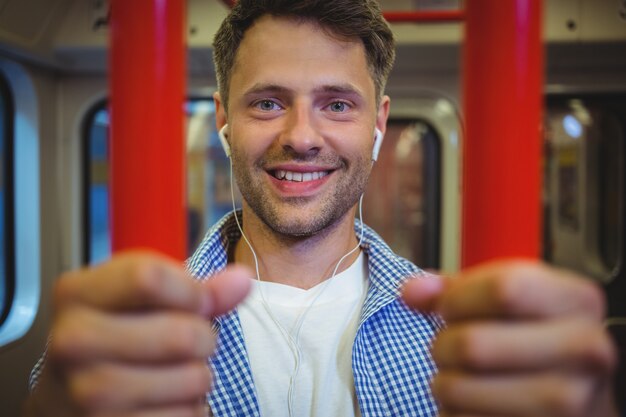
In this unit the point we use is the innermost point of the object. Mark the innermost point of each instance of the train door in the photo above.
(412, 199)
(584, 193)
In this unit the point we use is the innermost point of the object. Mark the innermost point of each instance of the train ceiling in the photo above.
(71, 35)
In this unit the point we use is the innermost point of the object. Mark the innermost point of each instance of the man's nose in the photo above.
(300, 134)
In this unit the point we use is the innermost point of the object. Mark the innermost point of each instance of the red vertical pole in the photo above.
(147, 83)
(503, 79)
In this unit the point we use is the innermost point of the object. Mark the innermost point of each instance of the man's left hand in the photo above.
(522, 339)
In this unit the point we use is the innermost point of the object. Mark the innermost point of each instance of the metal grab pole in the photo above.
(147, 87)
(503, 79)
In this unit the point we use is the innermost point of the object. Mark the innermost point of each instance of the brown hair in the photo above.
(350, 19)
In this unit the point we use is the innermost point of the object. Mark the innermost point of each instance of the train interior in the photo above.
(54, 152)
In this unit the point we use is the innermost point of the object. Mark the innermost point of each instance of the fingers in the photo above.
(228, 289)
(536, 395)
(137, 281)
(138, 337)
(522, 339)
(108, 387)
(507, 290)
(422, 293)
(575, 344)
(197, 410)
(519, 289)
(131, 336)
(132, 281)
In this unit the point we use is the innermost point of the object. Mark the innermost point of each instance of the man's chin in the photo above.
(299, 224)
(296, 229)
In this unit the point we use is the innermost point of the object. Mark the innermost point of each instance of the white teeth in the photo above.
(299, 176)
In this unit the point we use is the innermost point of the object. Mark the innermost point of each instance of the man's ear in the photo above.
(220, 111)
(383, 114)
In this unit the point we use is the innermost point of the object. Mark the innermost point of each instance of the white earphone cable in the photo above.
(291, 341)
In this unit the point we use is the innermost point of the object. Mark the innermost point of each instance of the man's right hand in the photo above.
(131, 338)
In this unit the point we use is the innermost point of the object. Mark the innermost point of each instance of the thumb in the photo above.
(226, 290)
(422, 292)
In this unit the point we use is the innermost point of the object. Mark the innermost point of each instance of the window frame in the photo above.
(611, 102)
(26, 197)
(433, 169)
(85, 166)
(9, 197)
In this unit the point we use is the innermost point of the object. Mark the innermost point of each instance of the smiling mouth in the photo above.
(298, 176)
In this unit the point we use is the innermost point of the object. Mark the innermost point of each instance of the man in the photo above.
(323, 332)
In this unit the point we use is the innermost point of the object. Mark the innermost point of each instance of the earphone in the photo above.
(378, 142)
(222, 136)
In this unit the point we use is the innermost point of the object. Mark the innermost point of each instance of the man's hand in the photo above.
(131, 338)
(522, 339)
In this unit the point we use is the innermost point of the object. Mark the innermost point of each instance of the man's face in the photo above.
(302, 112)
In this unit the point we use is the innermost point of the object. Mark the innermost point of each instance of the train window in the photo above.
(208, 171)
(402, 201)
(584, 179)
(7, 276)
(208, 187)
(97, 190)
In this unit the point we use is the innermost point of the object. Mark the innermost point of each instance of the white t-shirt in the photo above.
(324, 385)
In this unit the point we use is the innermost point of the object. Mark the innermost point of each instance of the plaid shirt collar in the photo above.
(387, 271)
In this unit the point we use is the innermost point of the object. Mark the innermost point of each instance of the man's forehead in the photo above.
(274, 46)
(269, 21)
(268, 29)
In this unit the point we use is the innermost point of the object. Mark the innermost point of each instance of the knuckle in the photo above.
(62, 290)
(146, 279)
(470, 348)
(595, 300)
(91, 389)
(195, 410)
(62, 343)
(194, 381)
(505, 292)
(68, 335)
(598, 349)
(445, 387)
(565, 399)
(200, 377)
(183, 338)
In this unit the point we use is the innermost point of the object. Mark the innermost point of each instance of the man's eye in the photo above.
(267, 105)
(338, 107)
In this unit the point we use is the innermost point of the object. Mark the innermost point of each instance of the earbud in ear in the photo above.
(222, 136)
(378, 141)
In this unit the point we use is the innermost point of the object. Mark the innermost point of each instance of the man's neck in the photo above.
(301, 262)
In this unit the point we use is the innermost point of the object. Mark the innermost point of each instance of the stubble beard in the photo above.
(331, 211)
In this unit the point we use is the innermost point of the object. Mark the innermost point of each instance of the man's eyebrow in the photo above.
(266, 89)
(345, 89)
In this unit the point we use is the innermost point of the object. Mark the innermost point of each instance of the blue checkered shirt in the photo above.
(391, 360)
